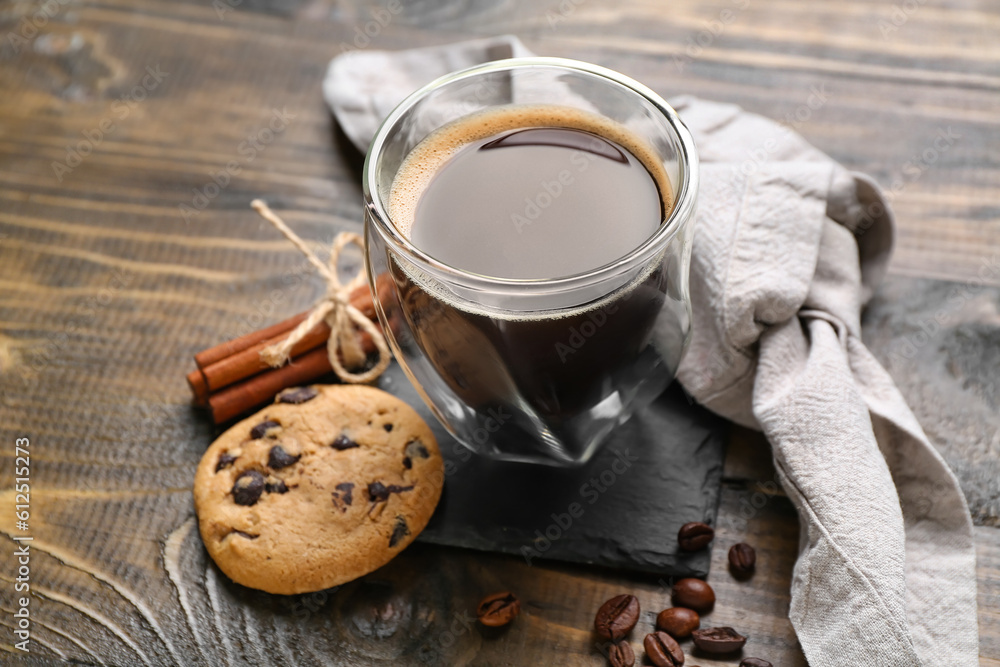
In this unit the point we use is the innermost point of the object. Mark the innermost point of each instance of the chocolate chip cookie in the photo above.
(324, 486)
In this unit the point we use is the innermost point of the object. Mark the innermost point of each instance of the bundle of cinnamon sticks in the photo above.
(231, 378)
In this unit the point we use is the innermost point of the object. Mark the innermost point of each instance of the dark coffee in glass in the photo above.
(537, 300)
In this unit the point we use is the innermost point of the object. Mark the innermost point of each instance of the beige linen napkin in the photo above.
(788, 247)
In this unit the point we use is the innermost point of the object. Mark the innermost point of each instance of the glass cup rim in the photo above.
(685, 195)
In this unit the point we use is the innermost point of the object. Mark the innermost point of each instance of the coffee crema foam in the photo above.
(433, 152)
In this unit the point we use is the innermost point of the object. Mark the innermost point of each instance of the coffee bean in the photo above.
(695, 536)
(678, 622)
(225, 460)
(718, 640)
(399, 531)
(343, 442)
(297, 395)
(278, 458)
(754, 662)
(261, 429)
(662, 650)
(248, 487)
(621, 655)
(742, 560)
(498, 609)
(617, 617)
(694, 594)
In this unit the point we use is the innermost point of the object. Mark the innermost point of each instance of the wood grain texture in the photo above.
(108, 287)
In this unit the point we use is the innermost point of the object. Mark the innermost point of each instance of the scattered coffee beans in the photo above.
(754, 662)
(621, 655)
(662, 650)
(498, 609)
(694, 594)
(678, 622)
(695, 536)
(742, 560)
(617, 617)
(718, 640)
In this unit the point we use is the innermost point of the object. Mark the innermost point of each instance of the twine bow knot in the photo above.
(335, 308)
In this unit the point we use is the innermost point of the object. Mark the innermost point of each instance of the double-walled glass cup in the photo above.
(538, 370)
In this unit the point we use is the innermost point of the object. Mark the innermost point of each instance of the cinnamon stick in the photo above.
(199, 387)
(221, 351)
(232, 379)
(244, 359)
(242, 397)
(248, 362)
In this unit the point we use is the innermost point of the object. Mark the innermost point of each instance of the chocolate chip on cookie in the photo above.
(399, 531)
(275, 485)
(343, 442)
(297, 395)
(261, 429)
(225, 460)
(416, 449)
(248, 487)
(279, 458)
(342, 497)
(379, 492)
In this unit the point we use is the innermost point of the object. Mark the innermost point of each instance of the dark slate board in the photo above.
(674, 450)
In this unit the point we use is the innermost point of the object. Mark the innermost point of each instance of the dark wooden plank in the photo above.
(107, 289)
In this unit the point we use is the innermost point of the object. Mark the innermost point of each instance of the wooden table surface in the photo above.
(115, 113)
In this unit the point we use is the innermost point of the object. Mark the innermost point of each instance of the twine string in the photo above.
(334, 308)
